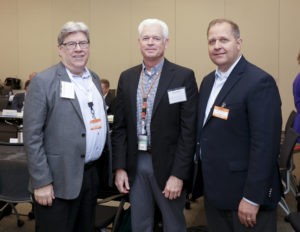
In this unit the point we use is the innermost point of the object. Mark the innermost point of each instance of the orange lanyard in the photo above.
(145, 96)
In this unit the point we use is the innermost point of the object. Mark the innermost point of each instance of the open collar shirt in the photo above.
(147, 77)
(95, 139)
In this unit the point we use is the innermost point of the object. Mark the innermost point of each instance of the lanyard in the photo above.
(145, 97)
(91, 104)
(87, 92)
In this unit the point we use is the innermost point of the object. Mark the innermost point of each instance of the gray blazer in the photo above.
(55, 134)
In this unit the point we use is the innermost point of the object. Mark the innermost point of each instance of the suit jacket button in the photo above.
(83, 135)
(82, 156)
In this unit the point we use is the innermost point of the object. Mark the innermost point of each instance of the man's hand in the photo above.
(44, 195)
(121, 181)
(247, 213)
(173, 188)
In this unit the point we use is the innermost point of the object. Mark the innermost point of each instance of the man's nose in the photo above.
(217, 44)
(150, 40)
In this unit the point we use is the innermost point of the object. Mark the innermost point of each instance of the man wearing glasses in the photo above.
(65, 132)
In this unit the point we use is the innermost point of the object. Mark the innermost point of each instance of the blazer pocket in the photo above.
(238, 166)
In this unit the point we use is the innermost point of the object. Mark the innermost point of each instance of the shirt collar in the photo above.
(154, 70)
(86, 74)
(226, 74)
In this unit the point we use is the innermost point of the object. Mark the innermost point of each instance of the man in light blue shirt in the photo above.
(65, 131)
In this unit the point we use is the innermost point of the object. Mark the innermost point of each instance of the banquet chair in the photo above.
(290, 121)
(14, 177)
(289, 181)
(286, 166)
(109, 212)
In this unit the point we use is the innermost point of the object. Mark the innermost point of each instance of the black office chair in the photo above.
(109, 212)
(4, 102)
(13, 82)
(14, 178)
(289, 124)
(289, 181)
(290, 121)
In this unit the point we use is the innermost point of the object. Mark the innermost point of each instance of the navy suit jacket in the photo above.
(173, 126)
(239, 155)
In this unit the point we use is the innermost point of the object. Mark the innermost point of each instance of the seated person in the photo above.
(19, 98)
(108, 96)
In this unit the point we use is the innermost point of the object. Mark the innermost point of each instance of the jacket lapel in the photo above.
(133, 85)
(164, 81)
(233, 78)
(63, 76)
(204, 96)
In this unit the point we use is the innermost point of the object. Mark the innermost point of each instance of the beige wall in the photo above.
(269, 28)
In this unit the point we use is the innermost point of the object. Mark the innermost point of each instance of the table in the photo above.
(9, 151)
(10, 125)
(19, 115)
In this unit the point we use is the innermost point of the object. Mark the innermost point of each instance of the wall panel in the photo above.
(36, 37)
(192, 19)
(9, 45)
(289, 47)
(258, 21)
(111, 35)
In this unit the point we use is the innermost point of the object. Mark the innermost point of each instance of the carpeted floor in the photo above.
(194, 217)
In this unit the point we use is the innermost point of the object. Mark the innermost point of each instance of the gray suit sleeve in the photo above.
(35, 115)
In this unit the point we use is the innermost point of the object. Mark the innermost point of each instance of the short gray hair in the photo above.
(159, 22)
(72, 27)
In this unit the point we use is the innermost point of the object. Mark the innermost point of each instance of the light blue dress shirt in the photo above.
(86, 91)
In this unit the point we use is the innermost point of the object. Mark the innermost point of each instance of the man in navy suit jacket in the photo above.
(238, 138)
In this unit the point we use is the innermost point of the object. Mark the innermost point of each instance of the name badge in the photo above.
(177, 95)
(220, 112)
(143, 142)
(67, 90)
(95, 124)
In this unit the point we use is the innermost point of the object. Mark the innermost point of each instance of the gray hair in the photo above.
(159, 22)
(72, 27)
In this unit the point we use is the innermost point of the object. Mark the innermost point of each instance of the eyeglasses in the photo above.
(72, 45)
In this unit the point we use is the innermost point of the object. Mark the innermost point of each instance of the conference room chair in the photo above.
(289, 180)
(110, 212)
(14, 178)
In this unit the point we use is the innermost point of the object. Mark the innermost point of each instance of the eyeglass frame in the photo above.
(73, 45)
